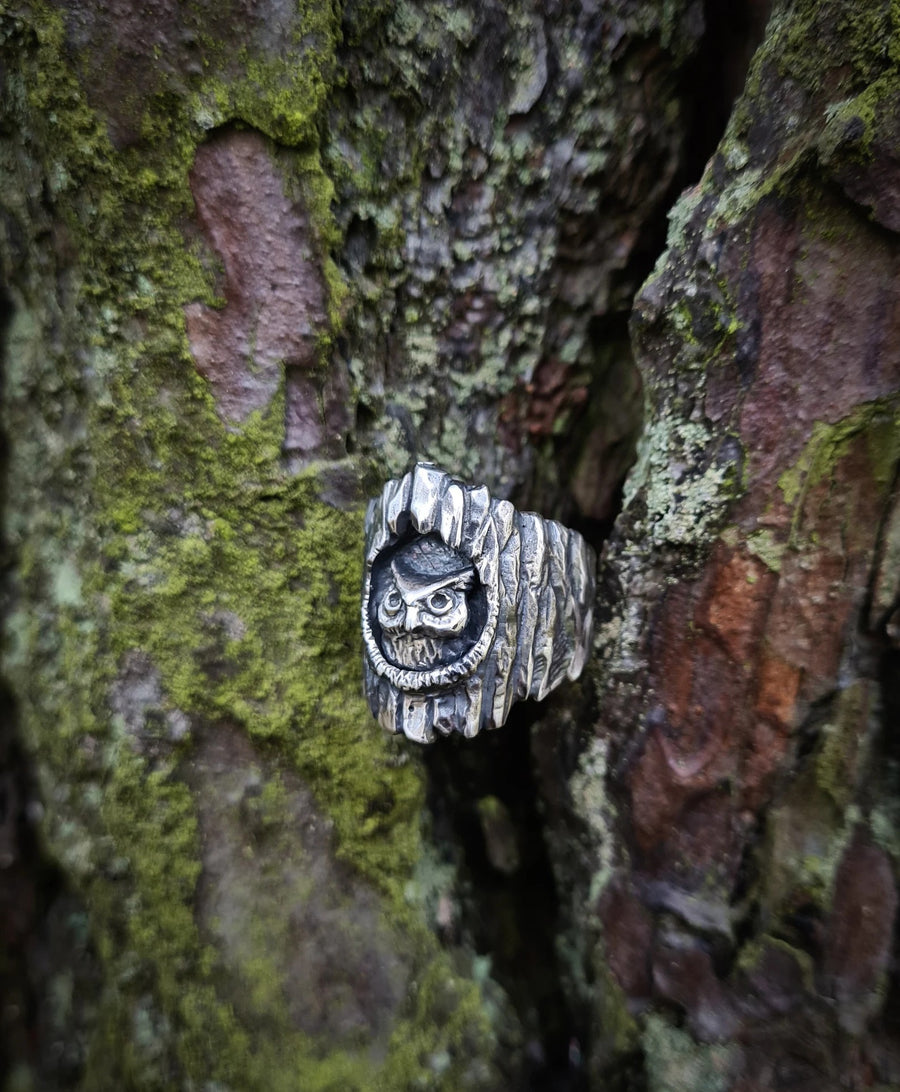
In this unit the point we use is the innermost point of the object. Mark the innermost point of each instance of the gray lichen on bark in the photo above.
(455, 204)
(182, 515)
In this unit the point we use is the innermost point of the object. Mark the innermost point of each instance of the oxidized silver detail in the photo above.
(468, 606)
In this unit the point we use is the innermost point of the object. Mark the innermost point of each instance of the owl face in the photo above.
(423, 612)
(437, 610)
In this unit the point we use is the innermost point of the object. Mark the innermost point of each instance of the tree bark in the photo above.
(740, 787)
(259, 258)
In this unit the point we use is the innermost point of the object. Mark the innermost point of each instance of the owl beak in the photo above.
(411, 622)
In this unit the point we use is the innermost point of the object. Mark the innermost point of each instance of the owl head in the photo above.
(422, 604)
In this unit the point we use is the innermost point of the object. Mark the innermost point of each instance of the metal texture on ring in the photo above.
(468, 606)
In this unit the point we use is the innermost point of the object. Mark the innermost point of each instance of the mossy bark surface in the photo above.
(255, 259)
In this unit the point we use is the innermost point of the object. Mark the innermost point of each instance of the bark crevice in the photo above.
(487, 820)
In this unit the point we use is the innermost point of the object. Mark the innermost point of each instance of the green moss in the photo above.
(862, 36)
(452, 1058)
(675, 1063)
(752, 954)
(842, 98)
(764, 545)
(877, 423)
(844, 745)
(619, 1029)
(869, 108)
(192, 544)
(806, 837)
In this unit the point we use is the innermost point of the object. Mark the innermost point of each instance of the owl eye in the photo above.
(439, 602)
(392, 602)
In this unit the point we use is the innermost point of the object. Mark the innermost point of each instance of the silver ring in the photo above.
(468, 606)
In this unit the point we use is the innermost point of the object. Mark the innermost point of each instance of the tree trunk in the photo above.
(740, 788)
(259, 258)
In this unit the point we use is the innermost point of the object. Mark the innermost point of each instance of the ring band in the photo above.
(468, 606)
